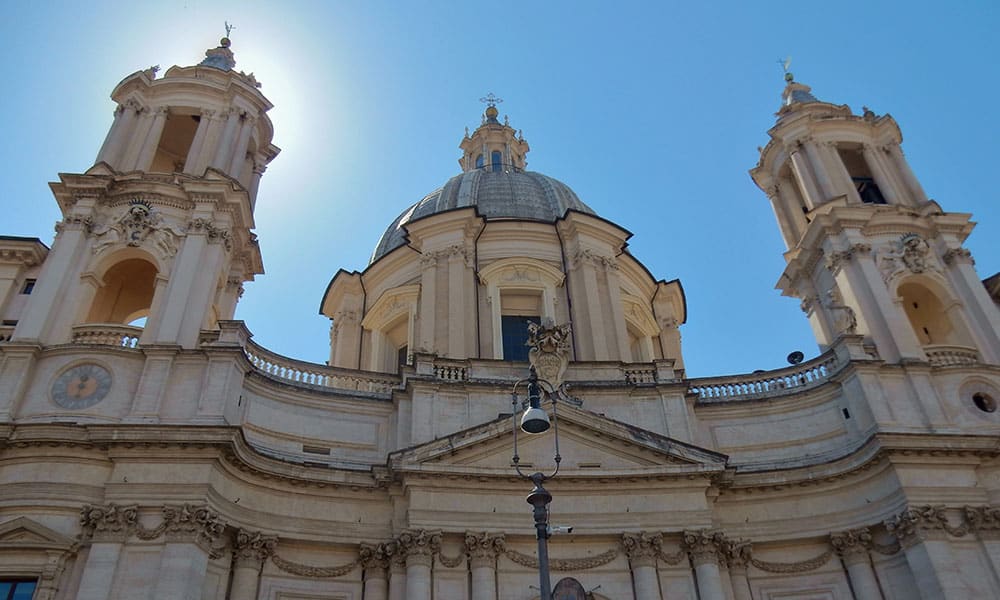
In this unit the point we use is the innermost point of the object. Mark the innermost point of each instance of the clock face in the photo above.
(81, 386)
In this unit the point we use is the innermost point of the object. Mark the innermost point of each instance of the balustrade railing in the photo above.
(766, 383)
(311, 374)
(940, 355)
(107, 334)
(636, 374)
(451, 371)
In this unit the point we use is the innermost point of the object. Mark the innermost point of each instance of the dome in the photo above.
(505, 194)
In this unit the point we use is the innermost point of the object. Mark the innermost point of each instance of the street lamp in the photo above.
(535, 420)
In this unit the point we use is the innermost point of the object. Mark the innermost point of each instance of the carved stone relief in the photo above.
(911, 253)
(138, 225)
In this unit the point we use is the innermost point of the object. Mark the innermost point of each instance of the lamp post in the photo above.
(534, 420)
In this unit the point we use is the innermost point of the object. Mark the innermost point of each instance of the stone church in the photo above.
(151, 450)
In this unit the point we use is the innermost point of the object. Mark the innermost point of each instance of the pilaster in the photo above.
(704, 547)
(483, 549)
(641, 549)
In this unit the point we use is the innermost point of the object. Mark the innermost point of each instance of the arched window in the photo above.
(496, 161)
(479, 161)
(927, 316)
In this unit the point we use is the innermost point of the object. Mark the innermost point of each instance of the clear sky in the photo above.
(651, 111)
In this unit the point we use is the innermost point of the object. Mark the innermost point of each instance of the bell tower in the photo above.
(158, 233)
(868, 253)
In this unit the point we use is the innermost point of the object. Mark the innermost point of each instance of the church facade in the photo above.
(152, 450)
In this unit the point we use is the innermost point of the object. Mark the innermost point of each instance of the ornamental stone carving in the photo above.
(835, 260)
(642, 548)
(215, 234)
(911, 253)
(957, 256)
(191, 523)
(110, 522)
(704, 546)
(419, 545)
(483, 548)
(140, 224)
(982, 520)
(845, 321)
(737, 554)
(376, 556)
(852, 546)
(252, 548)
(549, 353)
(75, 223)
(918, 523)
(586, 255)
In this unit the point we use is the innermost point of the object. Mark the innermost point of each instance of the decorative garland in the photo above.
(796, 567)
(311, 570)
(672, 559)
(564, 564)
(451, 563)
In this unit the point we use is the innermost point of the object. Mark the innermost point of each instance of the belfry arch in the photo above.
(934, 315)
(123, 289)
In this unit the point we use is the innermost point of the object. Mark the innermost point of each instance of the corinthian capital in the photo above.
(419, 545)
(915, 524)
(375, 556)
(852, 545)
(704, 545)
(251, 548)
(109, 522)
(483, 548)
(642, 548)
(191, 523)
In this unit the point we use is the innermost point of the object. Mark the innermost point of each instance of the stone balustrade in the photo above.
(6, 332)
(638, 374)
(107, 334)
(767, 383)
(940, 355)
(451, 370)
(296, 372)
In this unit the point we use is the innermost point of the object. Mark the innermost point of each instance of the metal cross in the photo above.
(229, 28)
(491, 99)
(785, 63)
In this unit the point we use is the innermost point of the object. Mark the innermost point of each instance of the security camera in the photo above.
(557, 530)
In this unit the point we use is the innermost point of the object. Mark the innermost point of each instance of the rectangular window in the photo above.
(17, 589)
(514, 332)
(29, 286)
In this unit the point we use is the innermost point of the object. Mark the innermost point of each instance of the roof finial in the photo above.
(785, 64)
(491, 100)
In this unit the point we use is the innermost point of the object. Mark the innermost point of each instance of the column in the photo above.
(428, 300)
(807, 183)
(457, 264)
(114, 134)
(191, 533)
(786, 223)
(882, 178)
(258, 172)
(483, 549)
(240, 151)
(397, 578)
(375, 560)
(920, 531)
(839, 171)
(703, 547)
(193, 160)
(737, 557)
(820, 169)
(419, 546)
(145, 159)
(916, 190)
(223, 152)
(60, 273)
(852, 547)
(250, 550)
(641, 549)
(107, 527)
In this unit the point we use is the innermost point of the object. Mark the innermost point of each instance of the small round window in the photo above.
(984, 402)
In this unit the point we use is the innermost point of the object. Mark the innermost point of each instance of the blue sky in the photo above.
(651, 112)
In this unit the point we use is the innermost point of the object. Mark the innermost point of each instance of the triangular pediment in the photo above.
(22, 532)
(589, 443)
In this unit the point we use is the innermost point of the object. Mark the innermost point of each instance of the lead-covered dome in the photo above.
(504, 194)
